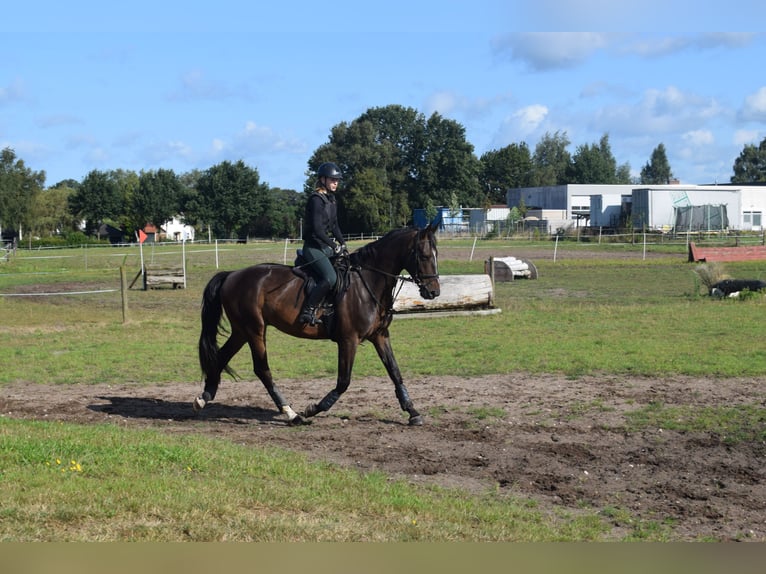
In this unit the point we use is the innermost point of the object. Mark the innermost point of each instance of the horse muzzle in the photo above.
(429, 293)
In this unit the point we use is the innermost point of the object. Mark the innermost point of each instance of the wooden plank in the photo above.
(457, 292)
(156, 275)
(743, 253)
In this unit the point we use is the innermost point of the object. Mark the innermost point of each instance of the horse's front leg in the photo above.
(382, 345)
(263, 372)
(346, 354)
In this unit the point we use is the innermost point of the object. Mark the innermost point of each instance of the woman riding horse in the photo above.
(323, 238)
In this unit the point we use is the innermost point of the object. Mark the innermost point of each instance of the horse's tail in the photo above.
(212, 313)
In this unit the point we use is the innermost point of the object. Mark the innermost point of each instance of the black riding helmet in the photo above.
(329, 169)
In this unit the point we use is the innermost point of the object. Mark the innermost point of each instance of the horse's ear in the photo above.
(435, 223)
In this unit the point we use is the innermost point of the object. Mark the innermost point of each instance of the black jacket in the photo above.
(322, 221)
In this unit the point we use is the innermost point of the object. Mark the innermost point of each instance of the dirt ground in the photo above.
(558, 441)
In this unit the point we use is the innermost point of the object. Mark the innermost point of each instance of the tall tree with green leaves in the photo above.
(505, 168)
(449, 166)
(51, 211)
(157, 198)
(551, 160)
(287, 208)
(19, 186)
(230, 199)
(394, 160)
(99, 198)
(657, 170)
(596, 164)
(750, 165)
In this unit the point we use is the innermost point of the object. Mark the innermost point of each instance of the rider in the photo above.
(323, 238)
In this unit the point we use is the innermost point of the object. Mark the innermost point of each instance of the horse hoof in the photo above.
(298, 421)
(310, 411)
(416, 421)
(200, 402)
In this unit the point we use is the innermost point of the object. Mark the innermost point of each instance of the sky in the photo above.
(143, 85)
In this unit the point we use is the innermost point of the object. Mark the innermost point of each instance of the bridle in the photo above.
(418, 278)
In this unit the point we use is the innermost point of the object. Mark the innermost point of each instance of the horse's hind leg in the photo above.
(212, 379)
(263, 372)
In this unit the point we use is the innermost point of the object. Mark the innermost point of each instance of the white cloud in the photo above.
(745, 137)
(550, 50)
(651, 46)
(451, 104)
(441, 102)
(13, 92)
(255, 138)
(698, 137)
(658, 112)
(195, 85)
(754, 108)
(528, 119)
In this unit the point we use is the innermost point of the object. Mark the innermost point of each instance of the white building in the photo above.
(661, 207)
(178, 231)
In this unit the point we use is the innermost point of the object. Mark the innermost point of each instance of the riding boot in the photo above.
(313, 299)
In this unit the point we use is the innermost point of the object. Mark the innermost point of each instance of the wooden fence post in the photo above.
(124, 292)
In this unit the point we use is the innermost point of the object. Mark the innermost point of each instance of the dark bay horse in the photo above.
(272, 294)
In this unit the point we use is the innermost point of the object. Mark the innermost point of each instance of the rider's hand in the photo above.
(338, 249)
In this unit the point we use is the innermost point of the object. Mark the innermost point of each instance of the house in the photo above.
(114, 235)
(176, 230)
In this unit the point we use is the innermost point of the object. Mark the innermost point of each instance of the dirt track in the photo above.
(558, 441)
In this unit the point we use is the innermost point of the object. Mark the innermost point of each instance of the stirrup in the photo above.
(308, 316)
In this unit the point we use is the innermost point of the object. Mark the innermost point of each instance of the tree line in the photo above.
(394, 160)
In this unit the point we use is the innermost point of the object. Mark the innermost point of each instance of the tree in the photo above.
(394, 159)
(18, 187)
(657, 170)
(750, 166)
(595, 164)
(157, 198)
(230, 198)
(449, 167)
(503, 169)
(551, 160)
(100, 197)
(51, 211)
(287, 208)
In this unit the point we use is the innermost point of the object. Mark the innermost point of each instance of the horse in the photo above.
(271, 294)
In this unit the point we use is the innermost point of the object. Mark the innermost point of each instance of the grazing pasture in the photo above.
(612, 399)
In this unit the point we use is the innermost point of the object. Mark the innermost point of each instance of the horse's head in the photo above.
(422, 263)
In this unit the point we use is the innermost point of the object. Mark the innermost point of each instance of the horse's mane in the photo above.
(371, 250)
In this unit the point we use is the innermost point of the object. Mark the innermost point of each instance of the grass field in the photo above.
(62, 323)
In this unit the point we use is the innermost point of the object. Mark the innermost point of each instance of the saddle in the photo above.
(342, 266)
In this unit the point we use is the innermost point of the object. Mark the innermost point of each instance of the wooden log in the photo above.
(510, 268)
(158, 275)
(457, 292)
